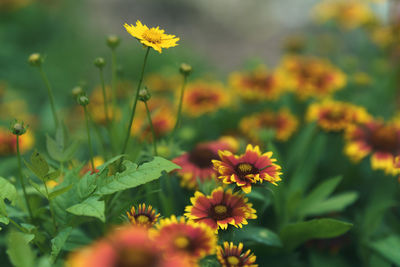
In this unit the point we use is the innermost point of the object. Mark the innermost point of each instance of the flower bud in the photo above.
(185, 69)
(113, 41)
(35, 60)
(18, 127)
(83, 100)
(144, 94)
(99, 62)
(77, 91)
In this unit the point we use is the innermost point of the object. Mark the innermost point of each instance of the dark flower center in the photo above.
(385, 139)
(220, 212)
(259, 83)
(136, 258)
(244, 168)
(202, 156)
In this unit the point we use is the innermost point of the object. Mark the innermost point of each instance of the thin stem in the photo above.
(106, 114)
(21, 180)
(51, 208)
(50, 93)
(179, 114)
(152, 128)
(135, 103)
(114, 81)
(17, 225)
(89, 139)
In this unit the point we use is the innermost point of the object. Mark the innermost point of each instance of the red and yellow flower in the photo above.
(204, 97)
(349, 14)
(220, 209)
(142, 215)
(8, 142)
(336, 116)
(259, 84)
(197, 164)
(159, 83)
(231, 255)
(282, 122)
(186, 239)
(376, 138)
(312, 77)
(247, 169)
(125, 246)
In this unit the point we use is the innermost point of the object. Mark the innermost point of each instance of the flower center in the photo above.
(201, 157)
(220, 212)
(153, 36)
(220, 209)
(244, 169)
(142, 219)
(385, 139)
(233, 260)
(181, 242)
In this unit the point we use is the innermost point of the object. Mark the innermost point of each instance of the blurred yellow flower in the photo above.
(349, 14)
(159, 83)
(153, 37)
(8, 142)
(259, 84)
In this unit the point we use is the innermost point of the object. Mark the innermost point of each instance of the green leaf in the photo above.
(39, 164)
(133, 175)
(293, 235)
(388, 247)
(19, 251)
(58, 242)
(335, 203)
(7, 191)
(91, 207)
(52, 175)
(57, 149)
(260, 235)
(60, 191)
(38, 188)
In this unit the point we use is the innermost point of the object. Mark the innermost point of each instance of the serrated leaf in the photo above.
(295, 234)
(19, 251)
(388, 247)
(259, 234)
(57, 243)
(60, 191)
(7, 191)
(52, 175)
(335, 203)
(55, 151)
(91, 207)
(134, 176)
(70, 151)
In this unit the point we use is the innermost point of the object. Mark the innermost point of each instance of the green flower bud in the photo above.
(35, 60)
(18, 127)
(113, 41)
(83, 100)
(99, 62)
(144, 94)
(77, 91)
(185, 69)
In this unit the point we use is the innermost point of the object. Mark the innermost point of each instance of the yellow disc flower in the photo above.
(153, 37)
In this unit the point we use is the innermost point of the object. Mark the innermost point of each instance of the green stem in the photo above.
(21, 180)
(152, 128)
(89, 139)
(114, 81)
(51, 96)
(103, 86)
(51, 208)
(17, 225)
(179, 114)
(135, 103)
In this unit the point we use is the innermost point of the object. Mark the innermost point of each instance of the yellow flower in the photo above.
(153, 37)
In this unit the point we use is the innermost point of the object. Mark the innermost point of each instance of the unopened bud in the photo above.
(113, 41)
(144, 94)
(18, 127)
(99, 62)
(35, 60)
(83, 100)
(77, 91)
(185, 69)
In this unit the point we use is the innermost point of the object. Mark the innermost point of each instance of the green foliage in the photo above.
(19, 251)
(92, 207)
(388, 247)
(57, 243)
(9, 192)
(58, 148)
(292, 235)
(260, 235)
